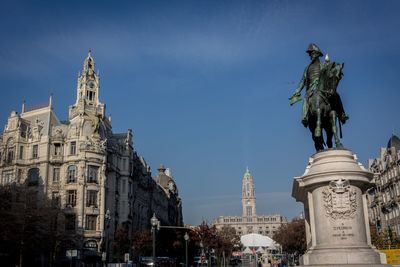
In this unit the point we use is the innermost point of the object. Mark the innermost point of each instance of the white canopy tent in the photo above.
(257, 242)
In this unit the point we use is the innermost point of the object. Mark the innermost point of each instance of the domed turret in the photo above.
(394, 141)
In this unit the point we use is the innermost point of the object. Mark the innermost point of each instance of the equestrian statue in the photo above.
(322, 106)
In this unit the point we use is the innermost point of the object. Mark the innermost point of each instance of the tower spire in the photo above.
(87, 91)
(248, 195)
(51, 101)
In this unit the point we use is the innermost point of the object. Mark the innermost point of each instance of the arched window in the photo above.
(71, 176)
(33, 176)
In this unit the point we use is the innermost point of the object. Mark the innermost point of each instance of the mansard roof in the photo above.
(394, 141)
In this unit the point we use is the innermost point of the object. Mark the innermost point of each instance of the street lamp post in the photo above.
(201, 247)
(154, 223)
(107, 218)
(186, 237)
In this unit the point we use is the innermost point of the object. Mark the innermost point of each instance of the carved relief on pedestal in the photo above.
(340, 200)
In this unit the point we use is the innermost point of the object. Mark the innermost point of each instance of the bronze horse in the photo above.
(321, 112)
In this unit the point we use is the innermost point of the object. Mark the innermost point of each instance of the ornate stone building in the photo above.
(384, 197)
(250, 222)
(93, 174)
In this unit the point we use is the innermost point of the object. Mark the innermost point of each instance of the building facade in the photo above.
(384, 197)
(94, 175)
(250, 222)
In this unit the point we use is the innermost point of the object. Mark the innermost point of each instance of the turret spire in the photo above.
(87, 92)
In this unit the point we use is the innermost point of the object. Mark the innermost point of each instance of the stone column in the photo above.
(333, 191)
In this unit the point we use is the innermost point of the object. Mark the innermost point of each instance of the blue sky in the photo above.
(205, 84)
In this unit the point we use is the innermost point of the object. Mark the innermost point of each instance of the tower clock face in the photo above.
(91, 84)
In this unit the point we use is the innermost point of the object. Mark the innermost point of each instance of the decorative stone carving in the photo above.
(58, 134)
(36, 129)
(340, 201)
(94, 144)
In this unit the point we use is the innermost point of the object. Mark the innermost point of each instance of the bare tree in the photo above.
(28, 227)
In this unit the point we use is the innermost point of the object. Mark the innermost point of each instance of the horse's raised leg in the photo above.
(333, 117)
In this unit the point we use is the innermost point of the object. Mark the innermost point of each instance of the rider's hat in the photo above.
(314, 47)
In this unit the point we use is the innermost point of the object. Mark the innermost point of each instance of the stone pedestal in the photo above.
(333, 191)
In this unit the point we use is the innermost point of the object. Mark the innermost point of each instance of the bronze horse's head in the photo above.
(331, 74)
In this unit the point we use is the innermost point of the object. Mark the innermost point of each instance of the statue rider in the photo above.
(310, 80)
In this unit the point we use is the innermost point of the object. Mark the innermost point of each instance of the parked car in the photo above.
(146, 262)
(235, 261)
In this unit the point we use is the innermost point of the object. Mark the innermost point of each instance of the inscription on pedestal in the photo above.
(343, 232)
(340, 200)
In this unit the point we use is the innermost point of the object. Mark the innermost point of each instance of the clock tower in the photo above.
(248, 195)
(87, 92)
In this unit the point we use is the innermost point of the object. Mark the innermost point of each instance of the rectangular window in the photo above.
(19, 175)
(55, 199)
(70, 222)
(124, 164)
(91, 198)
(56, 174)
(91, 221)
(10, 155)
(21, 152)
(71, 174)
(71, 198)
(35, 151)
(249, 211)
(57, 149)
(72, 150)
(92, 174)
(8, 177)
